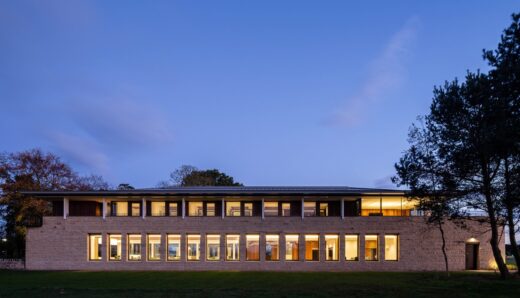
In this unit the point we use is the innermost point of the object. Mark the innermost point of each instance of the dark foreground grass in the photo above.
(253, 284)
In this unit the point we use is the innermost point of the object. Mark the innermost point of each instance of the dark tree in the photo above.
(125, 186)
(191, 176)
(33, 170)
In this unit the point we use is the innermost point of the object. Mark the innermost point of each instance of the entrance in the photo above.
(472, 260)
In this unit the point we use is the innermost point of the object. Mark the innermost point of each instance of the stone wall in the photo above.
(61, 244)
(12, 264)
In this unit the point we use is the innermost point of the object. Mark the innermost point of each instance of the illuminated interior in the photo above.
(121, 208)
(232, 247)
(210, 209)
(135, 209)
(193, 247)
(213, 247)
(195, 209)
(309, 208)
(286, 209)
(154, 247)
(253, 247)
(158, 208)
(332, 247)
(312, 247)
(248, 209)
(134, 247)
(232, 208)
(371, 248)
(391, 247)
(174, 247)
(291, 248)
(271, 209)
(114, 248)
(172, 208)
(387, 206)
(94, 243)
(272, 247)
(351, 247)
(324, 209)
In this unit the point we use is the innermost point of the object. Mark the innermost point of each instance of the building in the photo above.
(247, 228)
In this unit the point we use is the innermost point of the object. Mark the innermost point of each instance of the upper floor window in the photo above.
(172, 208)
(119, 208)
(324, 209)
(195, 209)
(210, 209)
(232, 208)
(270, 208)
(158, 208)
(135, 209)
(248, 209)
(309, 208)
(371, 207)
(286, 209)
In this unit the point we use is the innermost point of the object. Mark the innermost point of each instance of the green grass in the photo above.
(253, 284)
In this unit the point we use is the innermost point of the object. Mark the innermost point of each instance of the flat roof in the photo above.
(225, 191)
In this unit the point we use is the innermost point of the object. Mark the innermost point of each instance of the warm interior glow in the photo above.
(309, 208)
(286, 209)
(332, 247)
(158, 208)
(174, 247)
(134, 247)
(391, 247)
(154, 247)
(195, 209)
(233, 247)
(213, 247)
(210, 209)
(232, 208)
(270, 208)
(114, 248)
(291, 248)
(173, 208)
(95, 241)
(135, 209)
(272, 247)
(253, 247)
(312, 247)
(351, 247)
(371, 248)
(193, 247)
(121, 208)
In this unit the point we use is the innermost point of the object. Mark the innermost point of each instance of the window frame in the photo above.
(99, 247)
(317, 235)
(297, 245)
(336, 258)
(128, 247)
(148, 247)
(357, 248)
(217, 236)
(257, 236)
(179, 248)
(237, 250)
(197, 254)
(277, 250)
(109, 255)
(397, 248)
(378, 248)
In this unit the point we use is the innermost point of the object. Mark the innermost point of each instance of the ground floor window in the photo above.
(272, 247)
(154, 247)
(371, 248)
(114, 249)
(312, 247)
(232, 247)
(391, 247)
(174, 247)
(351, 247)
(291, 247)
(193, 245)
(94, 247)
(252, 247)
(134, 247)
(213, 247)
(332, 247)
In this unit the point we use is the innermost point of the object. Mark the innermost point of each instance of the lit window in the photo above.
(193, 245)
(172, 208)
(134, 247)
(291, 248)
(309, 208)
(252, 248)
(154, 247)
(286, 209)
(332, 247)
(248, 209)
(351, 247)
(391, 206)
(271, 209)
(233, 247)
(114, 248)
(272, 247)
(370, 207)
(174, 247)
(213, 247)
(135, 209)
(195, 209)
(371, 248)
(158, 208)
(119, 208)
(210, 209)
(312, 248)
(391, 247)
(324, 209)
(232, 208)
(94, 247)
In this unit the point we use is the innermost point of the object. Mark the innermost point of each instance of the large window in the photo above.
(154, 247)
(391, 247)
(172, 209)
(158, 208)
(391, 206)
(270, 208)
(371, 207)
(114, 248)
(252, 248)
(232, 208)
(195, 209)
(134, 247)
(135, 209)
(291, 248)
(272, 247)
(174, 247)
(371, 248)
(351, 247)
(210, 209)
(94, 247)
(193, 247)
(332, 247)
(232, 247)
(312, 247)
(248, 209)
(309, 208)
(119, 208)
(286, 209)
(213, 247)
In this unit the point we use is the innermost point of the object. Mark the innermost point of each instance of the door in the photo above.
(472, 260)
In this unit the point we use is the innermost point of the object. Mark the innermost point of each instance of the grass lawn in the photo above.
(253, 284)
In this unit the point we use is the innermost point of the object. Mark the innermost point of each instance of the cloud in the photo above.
(386, 73)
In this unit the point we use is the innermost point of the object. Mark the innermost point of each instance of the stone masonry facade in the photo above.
(62, 244)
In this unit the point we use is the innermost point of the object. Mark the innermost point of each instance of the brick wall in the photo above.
(61, 244)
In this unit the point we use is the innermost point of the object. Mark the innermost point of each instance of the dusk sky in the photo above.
(270, 92)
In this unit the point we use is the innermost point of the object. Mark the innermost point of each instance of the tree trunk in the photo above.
(512, 237)
(441, 229)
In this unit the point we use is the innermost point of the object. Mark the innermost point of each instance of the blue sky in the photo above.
(271, 92)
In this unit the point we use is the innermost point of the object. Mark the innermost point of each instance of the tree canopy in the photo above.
(188, 175)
